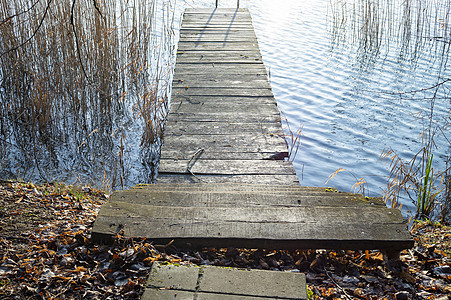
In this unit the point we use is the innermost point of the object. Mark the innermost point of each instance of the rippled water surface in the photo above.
(334, 66)
(342, 70)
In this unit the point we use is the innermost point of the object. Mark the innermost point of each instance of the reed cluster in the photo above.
(427, 187)
(420, 28)
(81, 82)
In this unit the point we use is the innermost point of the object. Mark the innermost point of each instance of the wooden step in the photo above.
(252, 216)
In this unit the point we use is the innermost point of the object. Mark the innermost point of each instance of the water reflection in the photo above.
(83, 100)
(337, 68)
(399, 76)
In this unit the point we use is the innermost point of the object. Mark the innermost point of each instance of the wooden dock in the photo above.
(224, 125)
(224, 179)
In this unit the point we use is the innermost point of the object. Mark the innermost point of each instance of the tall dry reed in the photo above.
(79, 84)
(419, 27)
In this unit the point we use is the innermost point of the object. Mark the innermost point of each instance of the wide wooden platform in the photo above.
(224, 178)
(252, 216)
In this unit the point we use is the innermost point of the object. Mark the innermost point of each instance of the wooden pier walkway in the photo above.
(224, 125)
(224, 180)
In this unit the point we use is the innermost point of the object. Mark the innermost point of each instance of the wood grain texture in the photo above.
(227, 167)
(183, 127)
(219, 69)
(225, 82)
(241, 142)
(233, 92)
(224, 118)
(223, 178)
(251, 197)
(281, 228)
(227, 106)
(285, 179)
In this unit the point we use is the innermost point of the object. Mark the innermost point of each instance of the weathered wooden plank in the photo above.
(232, 17)
(281, 228)
(218, 46)
(179, 127)
(218, 60)
(217, 34)
(217, 77)
(219, 144)
(223, 25)
(226, 82)
(240, 187)
(215, 31)
(212, 10)
(211, 18)
(240, 71)
(218, 100)
(227, 167)
(251, 53)
(220, 31)
(209, 105)
(284, 179)
(219, 20)
(209, 11)
(239, 117)
(216, 14)
(226, 26)
(344, 216)
(221, 69)
(244, 17)
(230, 154)
(225, 198)
(238, 92)
(213, 38)
(216, 37)
(228, 30)
(222, 56)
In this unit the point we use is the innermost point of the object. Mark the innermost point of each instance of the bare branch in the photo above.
(34, 33)
(18, 14)
(76, 40)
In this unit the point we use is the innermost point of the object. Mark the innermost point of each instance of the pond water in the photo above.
(355, 75)
(334, 65)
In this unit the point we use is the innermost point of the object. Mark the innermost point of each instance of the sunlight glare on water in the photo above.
(332, 72)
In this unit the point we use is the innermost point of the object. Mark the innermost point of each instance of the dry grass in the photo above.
(416, 178)
(292, 137)
(74, 79)
(359, 186)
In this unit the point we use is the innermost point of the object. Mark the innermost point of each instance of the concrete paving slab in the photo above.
(253, 282)
(175, 277)
(212, 296)
(173, 281)
(156, 294)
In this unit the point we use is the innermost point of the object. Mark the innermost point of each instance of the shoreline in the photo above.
(47, 253)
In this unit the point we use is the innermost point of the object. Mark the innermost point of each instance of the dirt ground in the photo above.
(46, 253)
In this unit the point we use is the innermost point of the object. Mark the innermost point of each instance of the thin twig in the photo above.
(195, 157)
(18, 14)
(416, 91)
(97, 8)
(76, 40)
(337, 285)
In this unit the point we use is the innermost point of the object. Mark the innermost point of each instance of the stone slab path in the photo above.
(169, 281)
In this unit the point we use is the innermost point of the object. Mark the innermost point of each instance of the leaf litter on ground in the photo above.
(46, 253)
